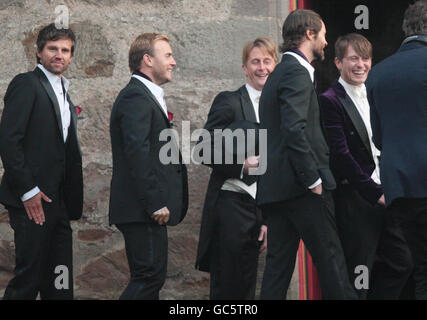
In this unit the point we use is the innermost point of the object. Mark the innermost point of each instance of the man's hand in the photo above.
(381, 200)
(263, 237)
(34, 208)
(317, 189)
(161, 216)
(250, 162)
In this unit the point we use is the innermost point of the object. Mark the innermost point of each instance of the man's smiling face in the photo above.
(258, 67)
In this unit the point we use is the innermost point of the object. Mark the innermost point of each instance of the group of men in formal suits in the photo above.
(343, 172)
(322, 182)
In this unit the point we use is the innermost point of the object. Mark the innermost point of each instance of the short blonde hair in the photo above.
(261, 42)
(142, 45)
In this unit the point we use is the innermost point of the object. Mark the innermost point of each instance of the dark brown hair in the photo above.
(296, 25)
(51, 33)
(360, 44)
(143, 44)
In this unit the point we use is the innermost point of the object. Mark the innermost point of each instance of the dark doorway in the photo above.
(385, 30)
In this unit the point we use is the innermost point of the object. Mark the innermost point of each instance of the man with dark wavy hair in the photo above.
(294, 193)
(42, 186)
(397, 94)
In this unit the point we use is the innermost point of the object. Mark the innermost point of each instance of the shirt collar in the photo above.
(53, 78)
(355, 90)
(253, 93)
(303, 62)
(156, 90)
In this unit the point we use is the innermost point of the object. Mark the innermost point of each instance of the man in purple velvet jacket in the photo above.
(366, 228)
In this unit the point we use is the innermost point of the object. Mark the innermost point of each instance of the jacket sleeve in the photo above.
(135, 119)
(344, 162)
(294, 93)
(18, 105)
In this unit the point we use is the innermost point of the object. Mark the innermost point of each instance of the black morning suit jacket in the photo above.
(141, 184)
(32, 147)
(397, 94)
(297, 153)
(227, 108)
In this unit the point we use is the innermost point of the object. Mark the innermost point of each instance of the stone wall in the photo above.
(207, 37)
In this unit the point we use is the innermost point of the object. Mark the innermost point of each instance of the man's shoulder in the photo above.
(232, 97)
(29, 77)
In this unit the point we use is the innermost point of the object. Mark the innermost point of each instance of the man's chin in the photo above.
(56, 71)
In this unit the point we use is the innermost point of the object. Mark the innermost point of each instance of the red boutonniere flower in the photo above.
(78, 109)
(170, 116)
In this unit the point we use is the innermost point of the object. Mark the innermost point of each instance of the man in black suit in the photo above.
(147, 190)
(397, 94)
(42, 185)
(294, 192)
(231, 227)
(365, 227)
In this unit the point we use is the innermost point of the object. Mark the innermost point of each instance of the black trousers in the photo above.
(412, 216)
(43, 255)
(310, 217)
(147, 253)
(234, 249)
(370, 233)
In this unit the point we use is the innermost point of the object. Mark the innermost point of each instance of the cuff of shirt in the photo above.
(30, 194)
(314, 185)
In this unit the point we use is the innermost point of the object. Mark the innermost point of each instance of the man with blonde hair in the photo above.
(146, 192)
(232, 234)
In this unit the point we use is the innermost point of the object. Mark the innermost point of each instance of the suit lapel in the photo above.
(152, 97)
(247, 107)
(52, 96)
(356, 119)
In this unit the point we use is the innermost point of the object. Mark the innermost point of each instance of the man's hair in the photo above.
(262, 43)
(360, 44)
(51, 33)
(143, 44)
(296, 25)
(415, 19)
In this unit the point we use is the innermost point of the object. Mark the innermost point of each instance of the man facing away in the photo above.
(147, 191)
(366, 228)
(42, 185)
(397, 94)
(231, 228)
(294, 193)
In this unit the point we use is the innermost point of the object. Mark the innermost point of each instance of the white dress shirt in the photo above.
(156, 90)
(64, 108)
(237, 185)
(310, 70)
(358, 96)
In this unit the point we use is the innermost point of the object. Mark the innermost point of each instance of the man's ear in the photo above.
(309, 34)
(338, 63)
(245, 70)
(147, 60)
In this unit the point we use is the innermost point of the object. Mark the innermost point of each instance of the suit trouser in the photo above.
(147, 253)
(39, 251)
(368, 231)
(412, 216)
(310, 217)
(234, 249)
